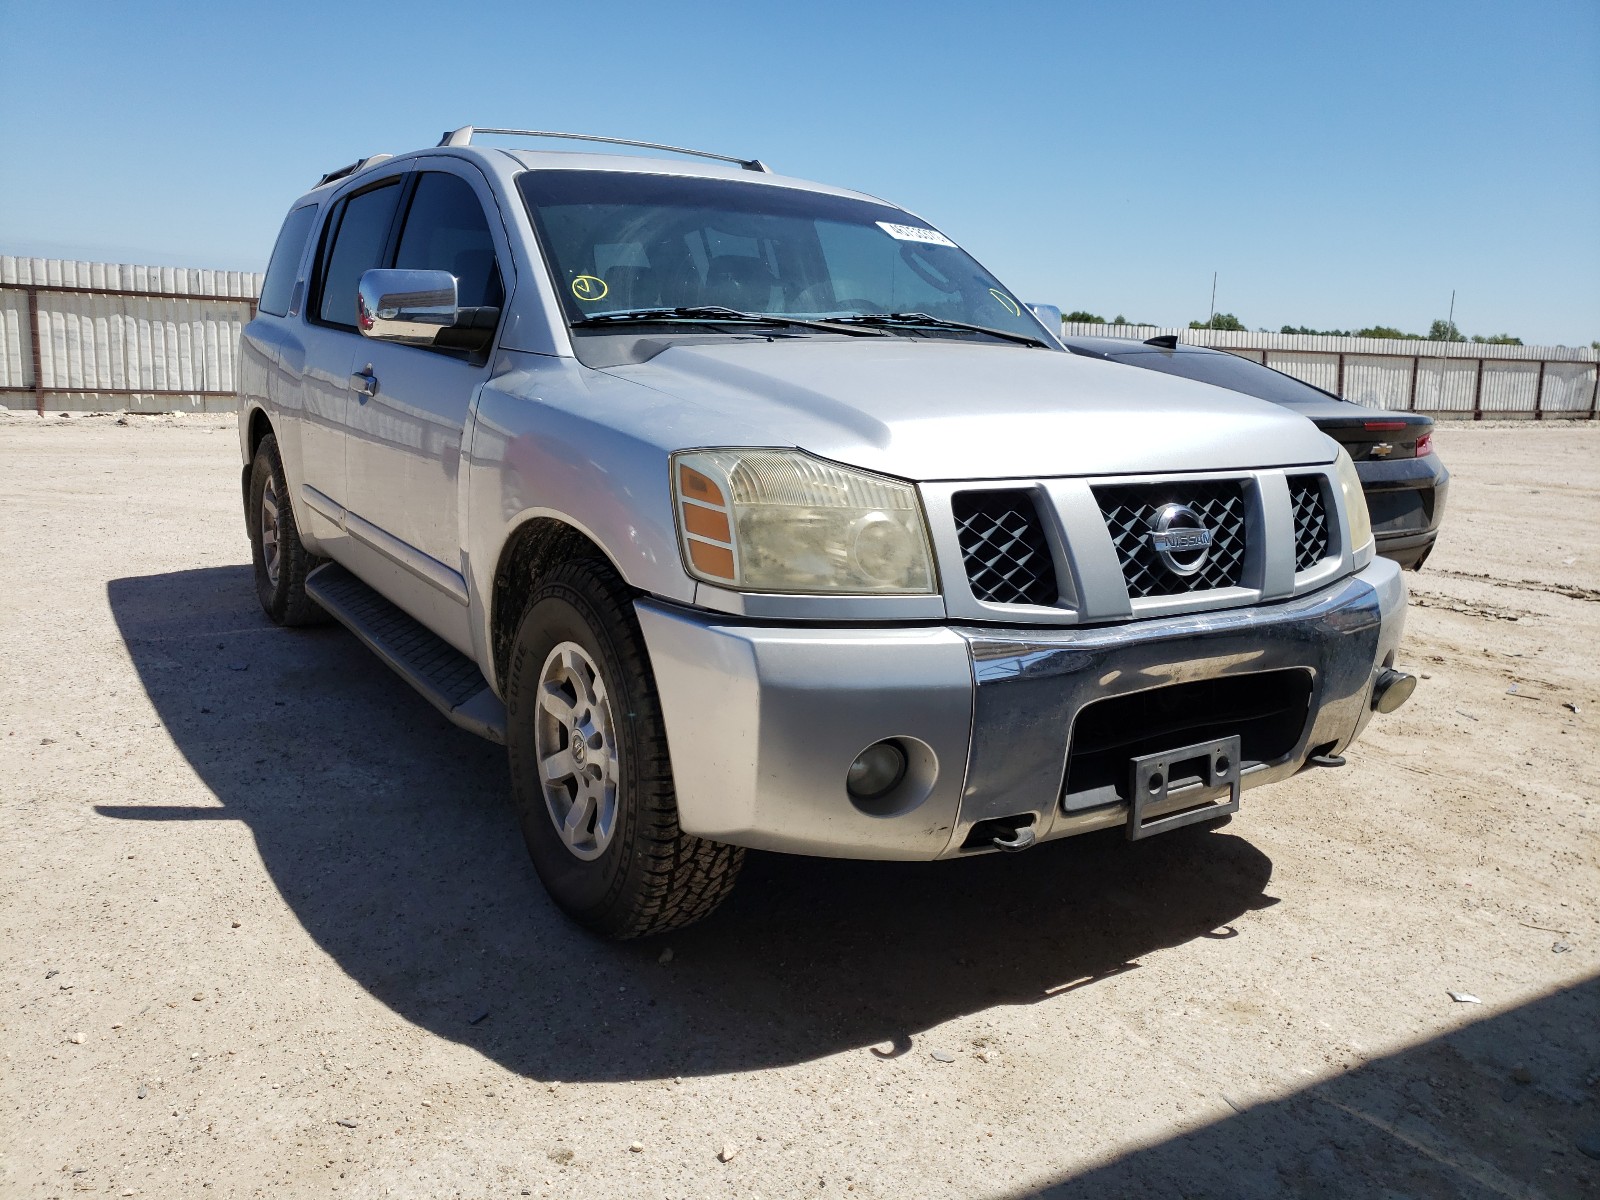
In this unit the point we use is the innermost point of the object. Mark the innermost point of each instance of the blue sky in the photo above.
(1337, 165)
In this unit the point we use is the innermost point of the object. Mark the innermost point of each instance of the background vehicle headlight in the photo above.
(782, 521)
(1355, 500)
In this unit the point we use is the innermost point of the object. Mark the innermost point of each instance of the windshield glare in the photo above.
(618, 241)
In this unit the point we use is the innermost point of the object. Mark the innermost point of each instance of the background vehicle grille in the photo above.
(1004, 548)
(1310, 520)
(1130, 512)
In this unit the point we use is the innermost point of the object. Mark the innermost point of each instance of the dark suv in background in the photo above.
(1404, 481)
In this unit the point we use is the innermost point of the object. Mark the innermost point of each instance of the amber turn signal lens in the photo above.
(696, 486)
(707, 523)
(715, 561)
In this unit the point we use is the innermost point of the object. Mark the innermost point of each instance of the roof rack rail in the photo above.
(463, 137)
(341, 172)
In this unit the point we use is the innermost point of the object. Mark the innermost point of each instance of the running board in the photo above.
(446, 678)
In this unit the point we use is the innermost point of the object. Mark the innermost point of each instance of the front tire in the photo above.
(590, 770)
(281, 562)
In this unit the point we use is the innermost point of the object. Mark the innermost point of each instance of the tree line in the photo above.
(1439, 331)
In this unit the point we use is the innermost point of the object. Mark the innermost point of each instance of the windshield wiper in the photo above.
(913, 320)
(715, 314)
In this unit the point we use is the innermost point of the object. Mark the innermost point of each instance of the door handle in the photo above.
(365, 382)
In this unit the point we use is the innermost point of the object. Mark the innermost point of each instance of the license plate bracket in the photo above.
(1150, 778)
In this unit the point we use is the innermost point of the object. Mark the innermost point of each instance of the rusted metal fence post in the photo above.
(1416, 369)
(33, 349)
(1477, 394)
(1538, 394)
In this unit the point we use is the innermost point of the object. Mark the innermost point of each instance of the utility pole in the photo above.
(1213, 314)
(1450, 321)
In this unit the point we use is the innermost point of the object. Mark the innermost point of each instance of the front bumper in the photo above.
(763, 722)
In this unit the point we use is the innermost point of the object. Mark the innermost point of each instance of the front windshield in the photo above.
(619, 241)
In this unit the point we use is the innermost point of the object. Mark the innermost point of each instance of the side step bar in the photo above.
(446, 678)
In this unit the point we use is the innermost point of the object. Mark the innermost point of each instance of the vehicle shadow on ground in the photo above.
(390, 834)
(1502, 1108)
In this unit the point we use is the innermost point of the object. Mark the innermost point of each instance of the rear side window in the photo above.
(279, 283)
(358, 241)
(446, 230)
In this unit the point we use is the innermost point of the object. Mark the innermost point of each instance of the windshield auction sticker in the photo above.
(1006, 302)
(915, 233)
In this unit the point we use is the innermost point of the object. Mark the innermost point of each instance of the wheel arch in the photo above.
(534, 547)
(257, 426)
(260, 425)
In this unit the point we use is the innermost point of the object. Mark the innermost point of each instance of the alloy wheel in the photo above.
(576, 747)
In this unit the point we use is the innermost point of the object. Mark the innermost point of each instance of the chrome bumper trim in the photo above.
(1031, 684)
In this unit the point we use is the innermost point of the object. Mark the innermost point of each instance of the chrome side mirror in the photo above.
(410, 307)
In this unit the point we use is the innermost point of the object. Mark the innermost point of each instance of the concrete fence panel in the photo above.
(1319, 370)
(1378, 381)
(1446, 385)
(80, 335)
(143, 344)
(1509, 387)
(16, 363)
(1568, 388)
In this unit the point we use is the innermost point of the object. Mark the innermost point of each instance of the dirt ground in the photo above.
(266, 925)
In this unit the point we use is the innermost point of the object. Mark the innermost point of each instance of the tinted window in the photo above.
(357, 244)
(279, 283)
(445, 230)
(1229, 371)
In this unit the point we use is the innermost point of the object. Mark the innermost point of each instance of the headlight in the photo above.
(1355, 501)
(782, 521)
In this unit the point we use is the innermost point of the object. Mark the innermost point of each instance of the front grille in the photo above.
(1310, 520)
(1003, 547)
(1130, 511)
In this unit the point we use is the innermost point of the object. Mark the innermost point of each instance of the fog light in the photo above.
(876, 771)
(1392, 690)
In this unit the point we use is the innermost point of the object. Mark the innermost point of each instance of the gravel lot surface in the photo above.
(267, 927)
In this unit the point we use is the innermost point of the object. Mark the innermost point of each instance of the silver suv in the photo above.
(751, 512)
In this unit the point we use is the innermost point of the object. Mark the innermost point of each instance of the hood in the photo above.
(927, 409)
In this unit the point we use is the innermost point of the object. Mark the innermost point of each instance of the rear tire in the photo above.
(590, 770)
(281, 562)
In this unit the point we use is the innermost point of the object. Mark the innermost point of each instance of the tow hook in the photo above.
(1021, 840)
(1325, 760)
